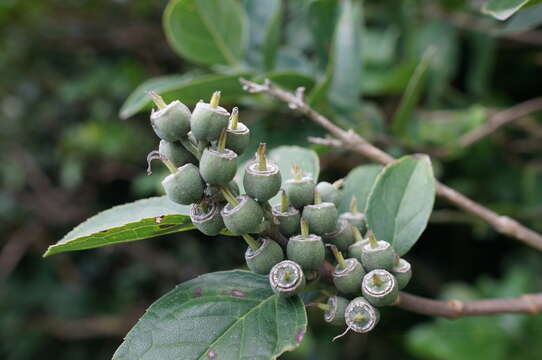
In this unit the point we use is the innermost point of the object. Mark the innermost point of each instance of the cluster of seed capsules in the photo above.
(201, 148)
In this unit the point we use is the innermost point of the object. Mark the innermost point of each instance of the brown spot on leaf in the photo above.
(165, 226)
(197, 292)
(211, 354)
(104, 231)
(299, 337)
(159, 219)
(238, 293)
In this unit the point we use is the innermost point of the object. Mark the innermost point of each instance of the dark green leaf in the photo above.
(209, 32)
(345, 88)
(358, 183)
(141, 219)
(401, 201)
(526, 19)
(188, 89)
(503, 9)
(223, 315)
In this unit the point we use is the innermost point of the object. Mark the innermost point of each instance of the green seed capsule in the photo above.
(379, 255)
(348, 278)
(243, 218)
(185, 186)
(328, 192)
(265, 257)
(176, 153)
(336, 309)
(286, 278)
(238, 134)
(308, 251)
(355, 250)
(358, 220)
(171, 122)
(402, 272)
(361, 316)
(342, 237)
(322, 218)
(300, 192)
(207, 122)
(206, 218)
(262, 179)
(380, 288)
(288, 220)
(218, 168)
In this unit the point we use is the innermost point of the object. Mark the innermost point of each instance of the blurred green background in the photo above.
(67, 67)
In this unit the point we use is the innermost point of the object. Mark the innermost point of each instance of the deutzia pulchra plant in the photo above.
(309, 243)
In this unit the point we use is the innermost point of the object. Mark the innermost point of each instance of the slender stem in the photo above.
(221, 145)
(155, 155)
(354, 205)
(253, 244)
(356, 233)
(317, 197)
(191, 147)
(323, 307)
(341, 264)
(157, 99)
(230, 198)
(284, 203)
(215, 99)
(304, 227)
(338, 184)
(234, 119)
(372, 239)
(296, 172)
(260, 153)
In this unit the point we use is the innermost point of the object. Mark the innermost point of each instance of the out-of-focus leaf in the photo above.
(401, 201)
(221, 315)
(209, 32)
(322, 17)
(380, 45)
(481, 63)
(387, 81)
(526, 19)
(289, 79)
(345, 88)
(358, 183)
(265, 18)
(403, 115)
(141, 219)
(503, 9)
(188, 89)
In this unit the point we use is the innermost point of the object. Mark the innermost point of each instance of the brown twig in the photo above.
(353, 141)
(501, 118)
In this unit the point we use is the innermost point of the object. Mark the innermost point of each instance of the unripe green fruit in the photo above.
(265, 257)
(348, 278)
(357, 219)
(218, 168)
(361, 316)
(337, 307)
(380, 257)
(172, 122)
(402, 272)
(342, 237)
(308, 251)
(262, 184)
(176, 153)
(244, 218)
(288, 221)
(322, 218)
(300, 192)
(286, 278)
(238, 139)
(207, 122)
(355, 250)
(208, 221)
(380, 288)
(185, 186)
(328, 192)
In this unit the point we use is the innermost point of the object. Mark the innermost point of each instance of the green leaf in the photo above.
(222, 315)
(187, 88)
(401, 201)
(527, 19)
(209, 32)
(403, 115)
(290, 80)
(141, 219)
(345, 87)
(358, 183)
(503, 9)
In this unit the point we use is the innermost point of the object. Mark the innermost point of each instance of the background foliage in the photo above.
(68, 69)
